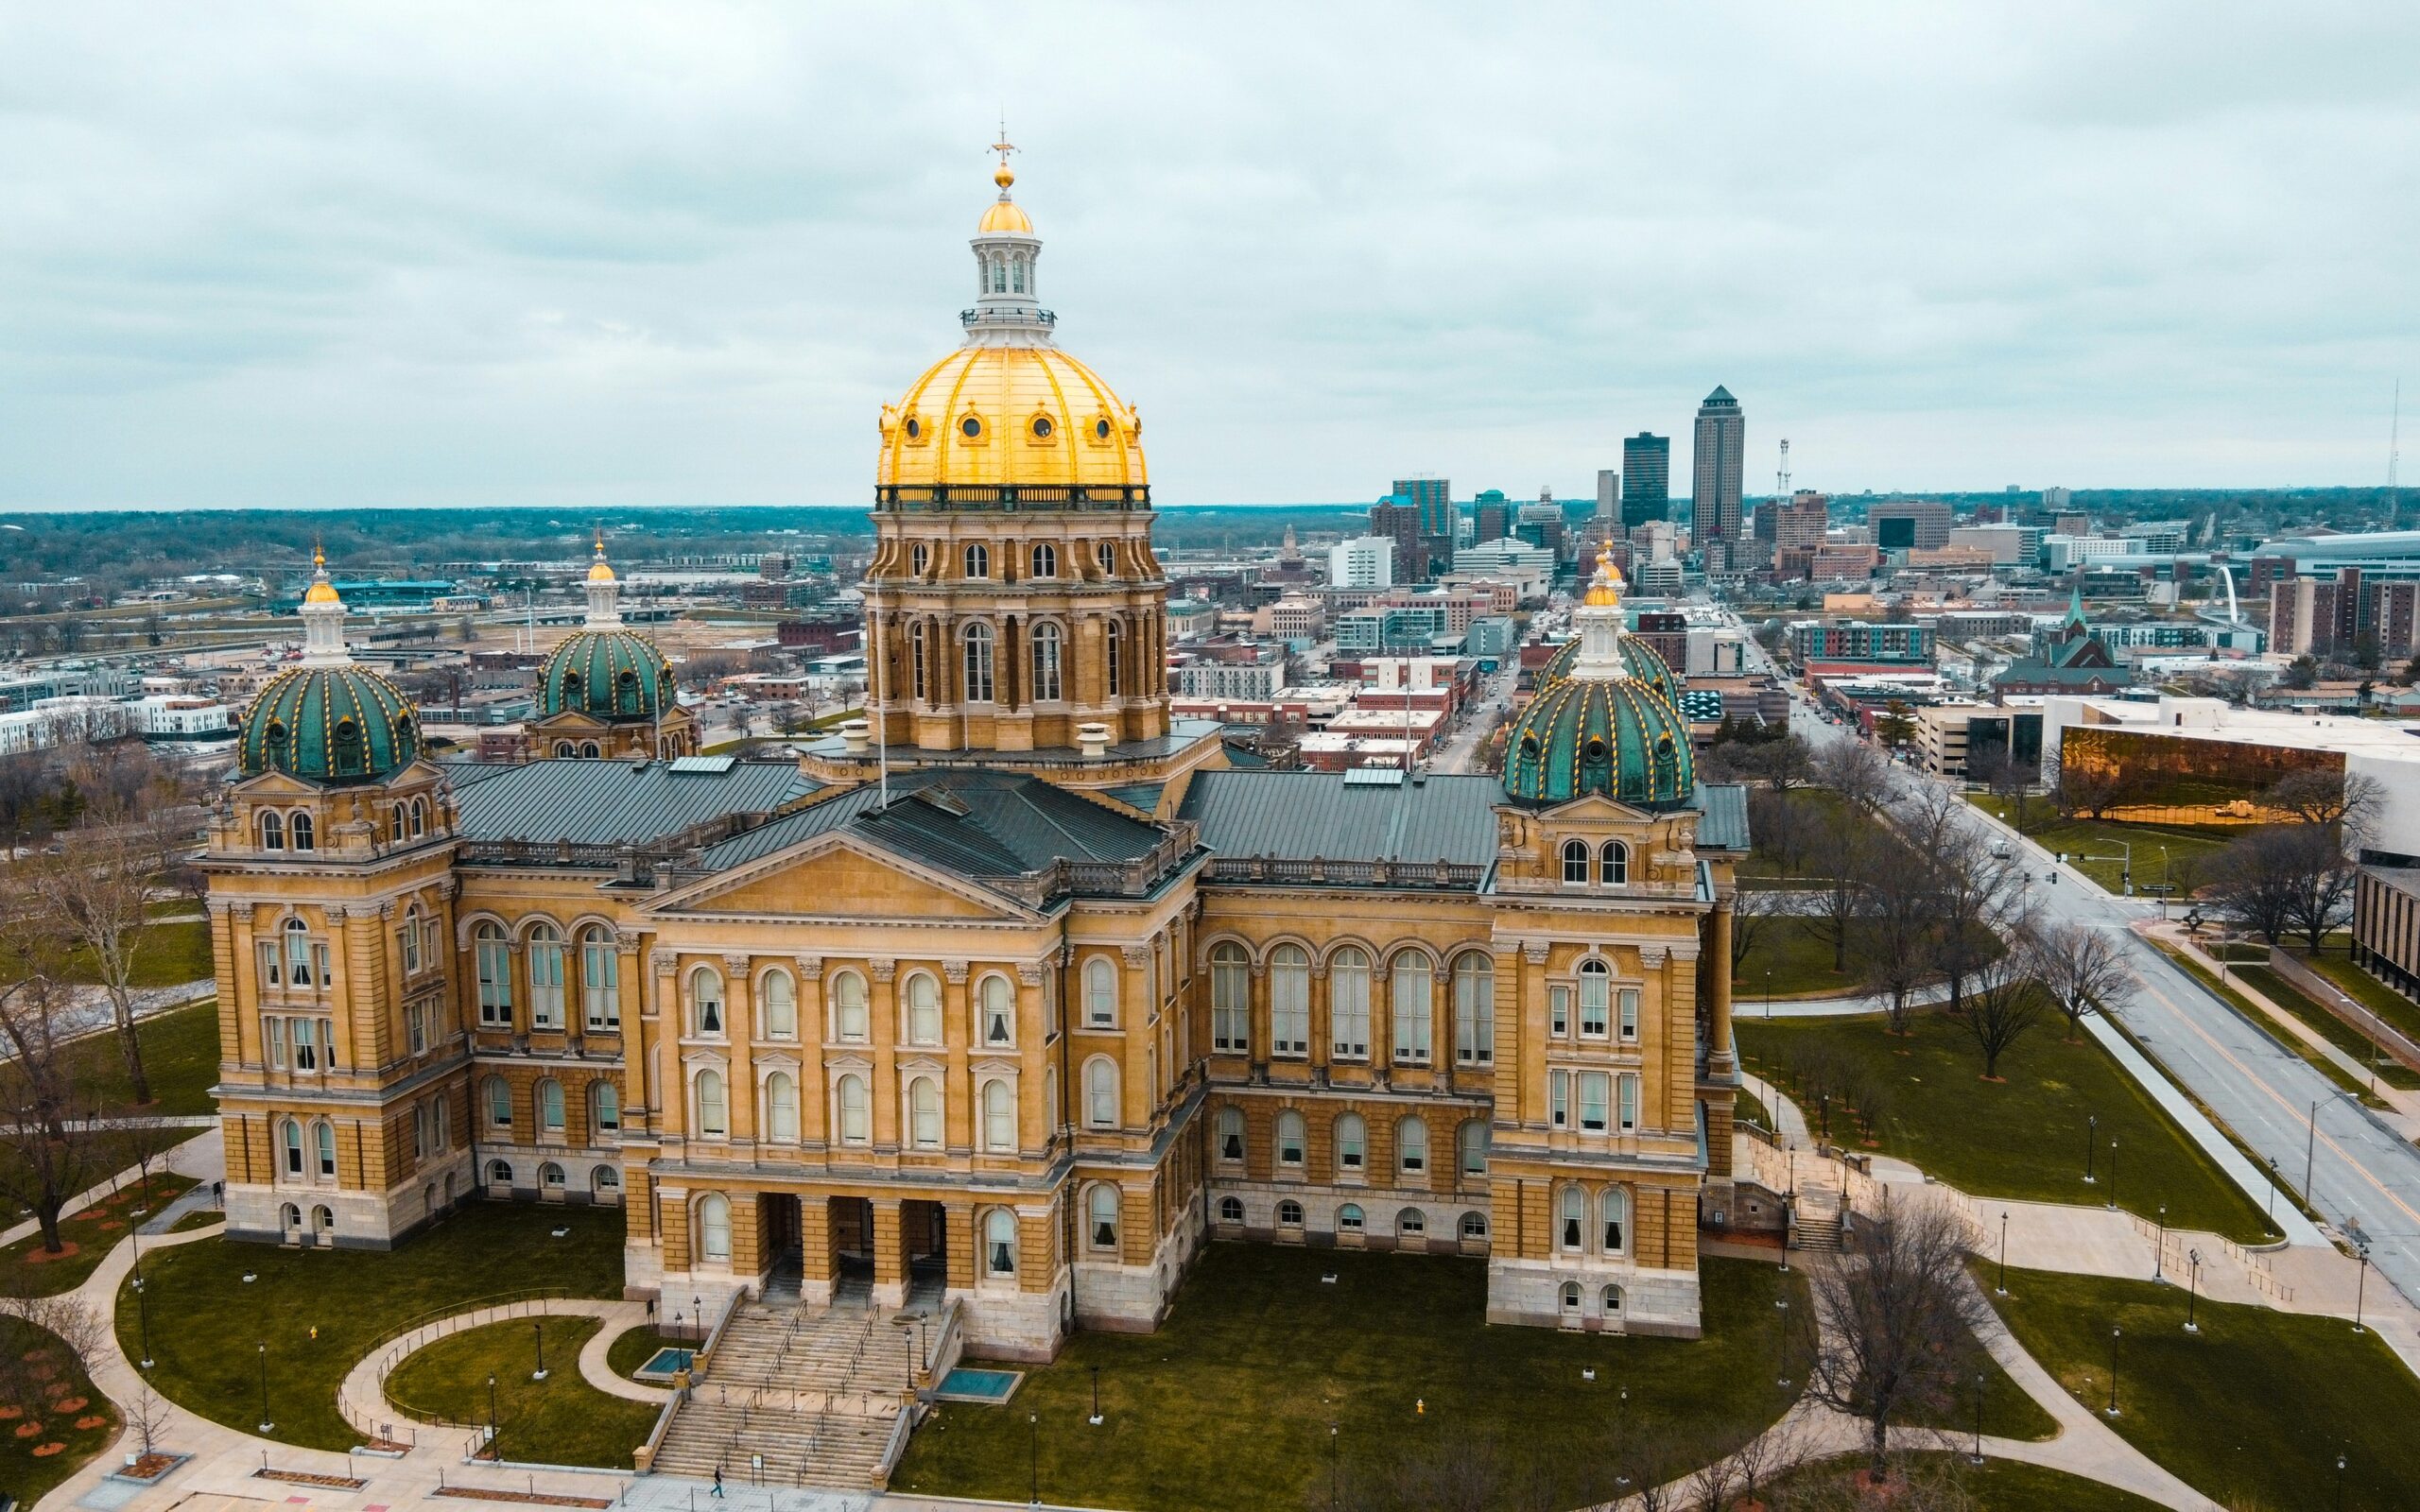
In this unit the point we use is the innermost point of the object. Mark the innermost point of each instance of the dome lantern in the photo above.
(322, 615)
(1006, 249)
(604, 593)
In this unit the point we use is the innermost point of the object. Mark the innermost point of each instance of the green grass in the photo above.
(2367, 990)
(2345, 1080)
(2008, 1412)
(1747, 1109)
(167, 954)
(2108, 837)
(199, 1218)
(2335, 1030)
(1791, 960)
(2252, 1411)
(2023, 1137)
(179, 1058)
(207, 1323)
(88, 1236)
(1229, 1404)
(1996, 1486)
(560, 1421)
(43, 1386)
(636, 1347)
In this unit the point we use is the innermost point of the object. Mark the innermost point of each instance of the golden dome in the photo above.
(1010, 414)
(1005, 214)
(598, 572)
(320, 591)
(1605, 589)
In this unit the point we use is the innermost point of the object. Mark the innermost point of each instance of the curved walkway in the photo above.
(363, 1399)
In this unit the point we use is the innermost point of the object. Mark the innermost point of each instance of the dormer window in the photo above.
(1575, 862)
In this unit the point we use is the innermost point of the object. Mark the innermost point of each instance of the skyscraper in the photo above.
(1609, 494)
(1490, 517)
(1433, 498)
(1397, 519)
(1647, 478)
(1720, 445)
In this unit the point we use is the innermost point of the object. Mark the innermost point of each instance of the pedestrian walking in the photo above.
(716, 1493)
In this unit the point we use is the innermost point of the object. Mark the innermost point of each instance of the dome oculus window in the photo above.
(1596, 750)
(915, 429)
(970, 427)
(1101, 430)
(1042, 427)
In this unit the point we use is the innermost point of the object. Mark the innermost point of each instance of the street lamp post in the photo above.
(1768, 992)
(2361, 1287)
(267, 1425)
(1095, 1420)
(493, 1452)
(2091, 1138)
(2311, 1151)
(1979, 1417)
(2002, 1287)
(1781, 1371)
(538, 1332)
(2193, 1289)
(1331, 1468)
(2113, 1373)
(1033, 1458)
(2275, 1176)
(2159, 1252)
(142, 1314)
(2112, 1175)
(2340, 1483)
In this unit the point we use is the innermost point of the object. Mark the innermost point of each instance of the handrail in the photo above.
(700, 1362)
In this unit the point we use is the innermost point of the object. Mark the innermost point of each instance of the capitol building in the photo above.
(1015, 992)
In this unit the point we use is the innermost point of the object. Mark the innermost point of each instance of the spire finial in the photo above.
(319, 555)
(1001, 175)
(600, 542)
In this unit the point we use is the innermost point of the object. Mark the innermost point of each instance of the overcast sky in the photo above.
(612, 255)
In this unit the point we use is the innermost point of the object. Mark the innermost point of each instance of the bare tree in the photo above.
(1977, 896)
(1896, 949)
(2315, 795)
(1881, 1314)
(1780, 764)
(143, 1142)
(1777, 828)
(1755, 912)
(94, 895)
(1857, 771)
(2278, 878)
(2004, 999)
(2080, 967)
(2090, 790)
(1843, 854)
(146, 1417)
(1459, 1471)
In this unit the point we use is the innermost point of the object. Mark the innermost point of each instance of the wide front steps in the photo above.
(816, 1391)
(838, 1350)
(1815, 1220)
(829, 1448)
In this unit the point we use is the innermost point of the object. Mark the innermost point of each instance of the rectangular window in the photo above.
(298, 960)
(272, 965)
(1349, 1006)
(1629, 1000)
(1559, 1099)
(1559, 1011)
(494, 961)
(546, 987)
(319, 962)
(600, 987)
(328, 1040)
(273, 1037)
(1592, 1101)
(415, 1026)
(306, 1052)
(1230, 1000)
(407, 939)
(1630, 1103)
(1289, 1012)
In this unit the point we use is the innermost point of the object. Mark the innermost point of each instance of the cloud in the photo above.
(611, 255)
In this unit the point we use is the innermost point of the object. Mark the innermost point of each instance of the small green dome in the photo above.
(1644, 662)
(330, 724)
(616, 676)
(1610, 736)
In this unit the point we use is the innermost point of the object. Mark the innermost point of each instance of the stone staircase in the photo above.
(1815, 1220)
(817, 1391)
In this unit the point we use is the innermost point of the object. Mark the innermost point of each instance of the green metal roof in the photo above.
(1644, 662)
(1614, 735)
(616, 676)
(605, 803)
(330, 724)
(1330, 817)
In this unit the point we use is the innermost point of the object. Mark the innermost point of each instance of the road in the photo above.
(1459, 752)
(2364, 1179)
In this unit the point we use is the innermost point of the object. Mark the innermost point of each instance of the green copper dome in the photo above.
(330, 724)
(615, 675)
(1644, 662)
(1610, 736)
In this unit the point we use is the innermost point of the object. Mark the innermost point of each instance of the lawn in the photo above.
(2023, 1137)
(1229, 1404)
(166, 955)
(1789, 959)
(634, 1348)
(2335, 1030)
(2156, 847)
(180, 1055)
(560, 1421)
(2008, 1412)
(55, 1419)
(207, 1323)
(1995, 1485)
(2367, 990)
(2252, 1411)
(88, 1236)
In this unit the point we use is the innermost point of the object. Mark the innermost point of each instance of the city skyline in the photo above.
(665, 260)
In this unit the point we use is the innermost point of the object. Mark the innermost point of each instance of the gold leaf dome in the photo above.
(1006, 214)
(1010, 414)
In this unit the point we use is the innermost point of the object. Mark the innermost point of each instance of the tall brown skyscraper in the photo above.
(1721, 448)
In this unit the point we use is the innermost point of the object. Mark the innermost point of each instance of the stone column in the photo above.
(815, 1264)
(1718, 977)
(668, 1111)
(889, 1264)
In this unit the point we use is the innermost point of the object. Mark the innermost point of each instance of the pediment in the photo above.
(1596, 808)
(840, 875)
(276, 785)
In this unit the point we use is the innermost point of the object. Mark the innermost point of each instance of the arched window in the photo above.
(589, 749)
(1614, 863)
(1412, 1147)
(1000, 1241)
(1290, 1000)
(600, 980)
(978, 561)
(1115, 643)
(1289, 1214)
(713, 1106)
(1575, 862)
(1352, 1143)
(1474, 1226)
(849, 1007)
(778, 995)
(999, 1118)
(1289, 1140)
(1470, 1142)
(564, 749)
(1100, 993)
(323, 1219)
(1474, 1009)
(1230, 996)
(272, 830)
(324, 1136)
(923, 1009)
(997, 1006)
(1231, 1210)
(499, 1103)
(604, 1106)
(550, 1106)
(780, 1107)
(1046, 560)
(606, 1183)
(1571, 1298)
(304, 962)
(920, 556)
(1046, 663)
(420, 819)
(918, 647)
(500, 1173)
(1348, 1003)
(1596, 998)
(300, 830)
(714, 1227)
(290, 1135)
(1103, 1207)
(854, 1118)
(1349, 1219)
(399, 824)
(1410, 1224)
(1106, 553)
(925, 1113)
(1100, 1092)
(705, 1001)
(1612, 1300)
(1231, 1133)
(546, 977)
(1572, 1217)
(289, 1216)
(979, 663)
(492, 957)
(1409, 990)
(1614, 1206)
